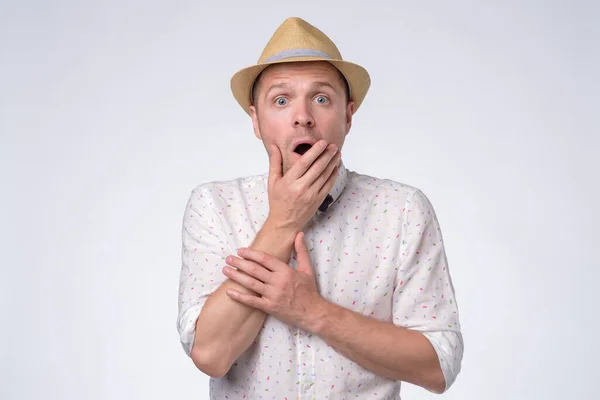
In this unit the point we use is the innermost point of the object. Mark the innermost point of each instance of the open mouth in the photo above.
(302, 148)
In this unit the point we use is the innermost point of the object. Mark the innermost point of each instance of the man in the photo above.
(313, 281)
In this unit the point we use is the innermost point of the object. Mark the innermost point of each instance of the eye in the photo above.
(281, 101)
(322, 99)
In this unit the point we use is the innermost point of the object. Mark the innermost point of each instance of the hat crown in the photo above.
(295, 40)
(297, 34)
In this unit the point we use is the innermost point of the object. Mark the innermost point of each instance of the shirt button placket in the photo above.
(307, 363)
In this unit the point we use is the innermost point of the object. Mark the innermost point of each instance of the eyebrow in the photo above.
(276, 86)
(314, 85)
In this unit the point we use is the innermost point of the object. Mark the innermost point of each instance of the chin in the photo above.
(286, 165)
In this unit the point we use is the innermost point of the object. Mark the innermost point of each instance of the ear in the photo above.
(349, 113)
(255, 125)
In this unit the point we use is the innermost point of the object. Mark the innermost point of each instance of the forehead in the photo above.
(318, 70)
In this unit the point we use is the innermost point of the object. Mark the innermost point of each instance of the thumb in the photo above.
(275, 167)
(304, 264)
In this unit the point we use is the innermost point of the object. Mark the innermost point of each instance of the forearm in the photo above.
(386, 349)
(225, 328)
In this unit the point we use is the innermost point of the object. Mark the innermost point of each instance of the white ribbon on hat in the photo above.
(289, 53)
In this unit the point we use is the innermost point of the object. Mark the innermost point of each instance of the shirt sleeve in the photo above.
(203, 253)
(424, 296)
(449, 348)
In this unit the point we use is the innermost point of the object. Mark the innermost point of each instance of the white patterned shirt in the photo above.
(376, 250)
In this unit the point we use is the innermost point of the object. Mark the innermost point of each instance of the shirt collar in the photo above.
(336, 190)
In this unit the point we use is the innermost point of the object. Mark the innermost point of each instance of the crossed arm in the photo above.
(386, 349)
(290, 295)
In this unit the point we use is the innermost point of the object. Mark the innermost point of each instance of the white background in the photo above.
(112, 111)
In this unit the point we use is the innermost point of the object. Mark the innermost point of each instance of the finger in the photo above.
(275, 165)
(317, 168)
(247, 299)
(303, 256)
(322, 178)
(251, 268)
(245, 280)
(303, 164)
(326, 188)
(266, 260)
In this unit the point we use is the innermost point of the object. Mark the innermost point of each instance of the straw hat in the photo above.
(297, 40)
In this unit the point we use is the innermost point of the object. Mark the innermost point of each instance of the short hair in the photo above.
(256, 84)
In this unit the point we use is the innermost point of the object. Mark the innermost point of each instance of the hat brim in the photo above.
(358, 79)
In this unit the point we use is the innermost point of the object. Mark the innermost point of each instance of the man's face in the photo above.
(301, 102)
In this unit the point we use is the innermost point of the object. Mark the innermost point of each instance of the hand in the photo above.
(289, 295)
(295, 197)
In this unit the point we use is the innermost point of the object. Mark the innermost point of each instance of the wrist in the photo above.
(275, 240)
(277, 229)
(319, 317)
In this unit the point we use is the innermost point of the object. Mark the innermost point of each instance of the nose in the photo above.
(303, 117)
